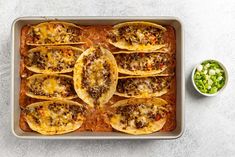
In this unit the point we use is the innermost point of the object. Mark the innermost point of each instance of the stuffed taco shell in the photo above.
(54, 33)
(143, 86)
(52, 59)
(55, 117)
(138, 35)
(140, 63)
(50, 87)
(139, 116)
(95, 76)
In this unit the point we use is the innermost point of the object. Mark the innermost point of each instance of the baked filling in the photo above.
(142, 61)
(52, 59)
(144, 35)
(142, 85)
(51, 86)
(55, 114)
(139, 115)
(55, 33)
(96, 77)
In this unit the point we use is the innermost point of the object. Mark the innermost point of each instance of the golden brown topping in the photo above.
(139, 115)
(51, 86)
(55, 114)
(98, 87)
(52, 59)
(139, 35)
(50, 33)
(142, 61)
(145, 85)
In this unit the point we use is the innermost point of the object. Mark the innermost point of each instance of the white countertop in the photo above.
(209, 33)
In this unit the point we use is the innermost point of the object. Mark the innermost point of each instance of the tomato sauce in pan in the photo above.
(97, 120)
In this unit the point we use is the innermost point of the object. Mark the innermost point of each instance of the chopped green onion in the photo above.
(209, 77)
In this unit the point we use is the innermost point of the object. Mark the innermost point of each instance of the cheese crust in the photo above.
(143, 86)
(55, 117)
(52, 59)
(142, 63)
(138, 36)
(95, 76)
(49, 86)
(54, 33)
(139, 116)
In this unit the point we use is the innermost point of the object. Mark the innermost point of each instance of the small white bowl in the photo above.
(226, 78)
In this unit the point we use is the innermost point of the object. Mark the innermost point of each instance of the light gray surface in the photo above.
(209, 33)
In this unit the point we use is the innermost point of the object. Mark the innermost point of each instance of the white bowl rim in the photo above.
(226, 78)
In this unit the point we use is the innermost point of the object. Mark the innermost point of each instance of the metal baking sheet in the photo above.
(15, 77)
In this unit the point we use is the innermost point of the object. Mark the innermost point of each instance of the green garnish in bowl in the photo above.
(209, 77)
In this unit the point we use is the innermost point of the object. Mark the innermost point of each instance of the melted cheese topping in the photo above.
(96, 77)
(51, 86)
(142, 61)
(54, 117)
(142, 86)
(141, 35)
(95, 73)
(55, 33)
(138, 116)
(52, 59)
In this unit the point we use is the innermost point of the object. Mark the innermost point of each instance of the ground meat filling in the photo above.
(35, 113)
(136, 86)
(139, 115)
(52, 59)
(96, 82)
(58, 87)
(55, 33)
(59, 115)
(142, 61)
(139, 35)
(64, 109)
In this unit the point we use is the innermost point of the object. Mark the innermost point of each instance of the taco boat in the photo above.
(54, 33)
(138, 36)
(52, 59)
(139, 116)
(49, 87)
(95, 76)
(143, 86)
(54, 117)
(140, 63)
